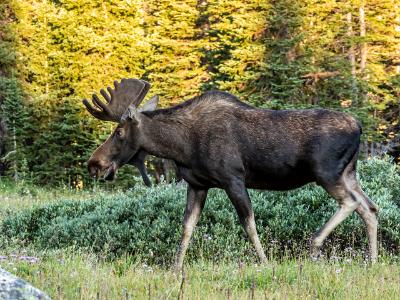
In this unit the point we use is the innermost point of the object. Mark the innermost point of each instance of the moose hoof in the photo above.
(316, 255)
(315, 251)
(371, 259)
(178, 269)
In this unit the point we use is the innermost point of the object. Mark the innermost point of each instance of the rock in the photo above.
(14, 288)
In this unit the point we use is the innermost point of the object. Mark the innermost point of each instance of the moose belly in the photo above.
(282, 178)
(198, 179)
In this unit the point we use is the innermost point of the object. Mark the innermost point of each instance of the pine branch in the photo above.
(2, 159)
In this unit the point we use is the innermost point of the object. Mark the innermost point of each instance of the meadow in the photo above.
(119, 244)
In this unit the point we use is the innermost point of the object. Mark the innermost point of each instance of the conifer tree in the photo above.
(65, 145)
(286, 58)
(72, 48)
(174, 64)
(233, 34)
(329, 38)
(14, 117)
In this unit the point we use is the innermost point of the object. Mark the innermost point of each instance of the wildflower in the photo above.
(207, 237)
(33, 260)
(147, 268)
(30, 259)
(334, 258)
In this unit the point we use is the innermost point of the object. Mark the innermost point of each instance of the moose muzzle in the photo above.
(99, 167)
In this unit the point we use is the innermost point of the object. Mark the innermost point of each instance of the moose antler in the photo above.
(127, 92)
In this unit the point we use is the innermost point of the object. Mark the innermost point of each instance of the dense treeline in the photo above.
(276, 54)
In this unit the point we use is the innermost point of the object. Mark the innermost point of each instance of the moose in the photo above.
(217, 141)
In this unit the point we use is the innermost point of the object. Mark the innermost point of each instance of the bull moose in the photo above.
(218, 141)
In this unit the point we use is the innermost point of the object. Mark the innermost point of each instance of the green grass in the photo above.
(74, 275)
(20, 196)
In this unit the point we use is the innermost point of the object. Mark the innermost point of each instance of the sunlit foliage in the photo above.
(274, 54)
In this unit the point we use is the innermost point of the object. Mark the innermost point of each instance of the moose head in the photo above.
(123, 145)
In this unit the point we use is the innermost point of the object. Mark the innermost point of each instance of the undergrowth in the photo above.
(146, 223)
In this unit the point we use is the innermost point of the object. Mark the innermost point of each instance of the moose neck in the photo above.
(163, 136)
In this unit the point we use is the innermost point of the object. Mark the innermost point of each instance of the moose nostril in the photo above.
(94, 168)
(93, 172)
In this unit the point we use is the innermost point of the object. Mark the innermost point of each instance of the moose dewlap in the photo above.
(218, 141)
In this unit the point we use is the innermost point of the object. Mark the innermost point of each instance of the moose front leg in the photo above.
(194, 205)
(237, 193)
(138, 161)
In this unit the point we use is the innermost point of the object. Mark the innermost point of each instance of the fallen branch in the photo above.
(320, 75)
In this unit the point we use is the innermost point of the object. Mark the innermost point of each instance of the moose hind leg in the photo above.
(194, 205)
(348, 202)
(240, 199)
(368, 212)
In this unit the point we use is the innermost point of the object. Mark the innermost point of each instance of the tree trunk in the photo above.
(15, 151)
(397, 29)
(351, 54)
(352, 58)
(2, 137)
(363, 46)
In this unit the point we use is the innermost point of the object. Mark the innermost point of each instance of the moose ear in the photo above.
(150, 105)
(130, 114)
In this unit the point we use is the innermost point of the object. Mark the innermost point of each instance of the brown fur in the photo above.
(218, 141)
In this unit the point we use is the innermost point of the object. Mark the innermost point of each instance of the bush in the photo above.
(147, 222)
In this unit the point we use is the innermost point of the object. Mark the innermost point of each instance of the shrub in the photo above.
(147, 222)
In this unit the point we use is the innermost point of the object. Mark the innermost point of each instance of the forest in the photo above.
(281, 54)
(77, 238)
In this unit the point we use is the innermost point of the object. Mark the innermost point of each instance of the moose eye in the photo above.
(119, 132)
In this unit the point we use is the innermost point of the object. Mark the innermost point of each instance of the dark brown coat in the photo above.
(218, 141)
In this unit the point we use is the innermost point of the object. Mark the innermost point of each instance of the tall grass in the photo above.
(77, 275)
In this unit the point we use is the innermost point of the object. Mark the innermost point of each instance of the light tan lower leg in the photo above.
(194, 206)
(251, 231)
(239, 196)
(187, 233)
(371, 222)
(347, 206)
(368, 212)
